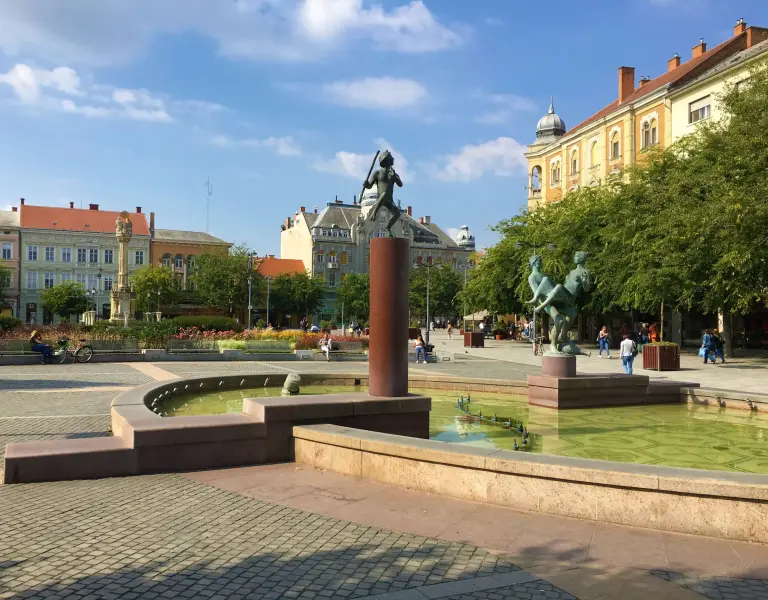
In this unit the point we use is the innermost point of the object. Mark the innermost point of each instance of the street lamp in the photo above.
(269, 279)
(93, 293)
(250, 285)
(158, 300)
(467, 265)
(521, 244)
(98, 287)
(428, 267)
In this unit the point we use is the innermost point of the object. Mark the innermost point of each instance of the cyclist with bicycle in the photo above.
(37, 346)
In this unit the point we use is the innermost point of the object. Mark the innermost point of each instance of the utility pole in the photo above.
(209, 189)
(250, 284)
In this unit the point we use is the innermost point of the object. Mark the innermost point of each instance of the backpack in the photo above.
(634, 349)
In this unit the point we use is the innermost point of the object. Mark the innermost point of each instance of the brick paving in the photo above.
(192, 369)
(24, 429)
(166, 536)
(718, 588)
(535, 590)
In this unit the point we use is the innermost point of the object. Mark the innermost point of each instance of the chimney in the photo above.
(644, 79)
(152, 224)
(427, 219)
(699, 48)
(271, 256)
(138, 210)
(93, 207)
(409, 210)
(287, 222)
(302, 209)
(740, 27)
(15, 209)
(626, 82)
(354, 200)
(421, 220)
(71, 205)
(673, 62)
(21, 200)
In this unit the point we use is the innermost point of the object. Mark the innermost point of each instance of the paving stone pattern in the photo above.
(13, 429)
(70, 380)
(196, 369)
(718, 588)
(483, 369)
(46, 404)
(535, 590)
(166, 536)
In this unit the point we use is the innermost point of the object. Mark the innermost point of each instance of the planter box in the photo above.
(499, 336)
(474, 339)
(461, 332)
(661, 358)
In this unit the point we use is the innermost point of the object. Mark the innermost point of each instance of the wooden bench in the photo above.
(346, 348)
(191, 346)
(18, 348)
(127, 346)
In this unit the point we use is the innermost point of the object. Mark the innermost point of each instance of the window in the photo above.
(320, 257)
(109, 257)
(93, 283)
(7, 251)
(381, 233)
(107, 283)
(332, 280)
(343, 258)
(536, 179)
(166, 261)
(32, 280)
(93, 255)
(66, 255)
(139, 257)
(699, 110)
(81, 255)
(615, 145)
(66, 277)
(332, 257)
(649, 134)
(574, 162)
(32, 254)
(80, 278)
(554, 173)
(49, 280)
(50, 253)
(178, 262)
(594, 154)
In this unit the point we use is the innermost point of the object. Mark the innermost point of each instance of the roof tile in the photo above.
(77, 219)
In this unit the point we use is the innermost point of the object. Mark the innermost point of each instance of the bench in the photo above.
(269, 346)
(191, 346)
(19, 348)
(346, 348)
(127, 346)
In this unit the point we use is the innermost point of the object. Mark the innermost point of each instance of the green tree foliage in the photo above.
(444, 285)
(355, 294)
(295, 294)
(151, 279)
(5, 281)
(66, 299)
(221, 280)
(686, 228)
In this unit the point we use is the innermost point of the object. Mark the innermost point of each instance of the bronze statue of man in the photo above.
(385, 180)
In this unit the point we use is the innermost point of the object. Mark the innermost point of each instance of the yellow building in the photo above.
(652, 113)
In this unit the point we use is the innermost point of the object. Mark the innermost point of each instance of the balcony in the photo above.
(333, 265)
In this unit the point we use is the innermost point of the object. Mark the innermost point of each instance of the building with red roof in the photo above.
(640, 118)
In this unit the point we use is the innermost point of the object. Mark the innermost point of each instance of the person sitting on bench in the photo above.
(37, 346)
(326, 345)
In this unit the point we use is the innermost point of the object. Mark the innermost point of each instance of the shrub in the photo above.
(8, 323)
(260, 324)
(209, 323)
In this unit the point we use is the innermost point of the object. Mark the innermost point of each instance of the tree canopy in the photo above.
(221, 280)
(295, 294)
(150, 280)
(444, 285)
(66, 299)
(355, 295)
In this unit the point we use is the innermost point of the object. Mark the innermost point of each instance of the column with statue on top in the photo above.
(123, 300)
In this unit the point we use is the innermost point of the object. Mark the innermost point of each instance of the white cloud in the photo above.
(452, 231)
(284, 146)
(384, 93)
(61, 89)
(95, 32)
(502, 156)
(356, 165)
(503, 108)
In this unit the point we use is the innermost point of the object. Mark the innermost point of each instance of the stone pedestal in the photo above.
(558, 365)
(388, 347)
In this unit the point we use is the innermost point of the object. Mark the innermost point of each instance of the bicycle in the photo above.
(81, 351)
(538, 344)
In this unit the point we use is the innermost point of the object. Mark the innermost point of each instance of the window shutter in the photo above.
(698, 104)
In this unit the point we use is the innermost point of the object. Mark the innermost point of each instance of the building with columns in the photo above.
(72, 244)
(336, 241)
(646, 114)
(9, 258)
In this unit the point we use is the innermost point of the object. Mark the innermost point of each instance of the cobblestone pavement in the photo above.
(480, 368)
(192, 369)
(534, 590)
(718, 588)
(166, 536)
(26, 429)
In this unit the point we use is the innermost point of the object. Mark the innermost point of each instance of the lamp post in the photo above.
(428, 267)
(158, 300)
(465, 266)
(269, 279)
(250, 286)
(98, 287)
(521, 244)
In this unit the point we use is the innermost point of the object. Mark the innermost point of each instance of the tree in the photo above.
(295, 293)
(355, 295)
(5, 281)
(66, 299)
(444, 286)
(148, 280)
(222, 280)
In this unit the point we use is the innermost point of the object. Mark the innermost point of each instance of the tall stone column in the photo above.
(388, 351)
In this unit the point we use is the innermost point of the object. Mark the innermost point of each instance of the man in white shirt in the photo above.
(628, 349)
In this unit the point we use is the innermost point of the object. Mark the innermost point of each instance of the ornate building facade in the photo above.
(336, 241)
(9, 258)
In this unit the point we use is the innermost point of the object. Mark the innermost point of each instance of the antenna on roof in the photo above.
(209, 188)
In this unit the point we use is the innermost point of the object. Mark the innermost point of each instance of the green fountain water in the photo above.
(681, 435)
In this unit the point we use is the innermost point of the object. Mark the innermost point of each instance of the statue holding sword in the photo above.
(385, 180)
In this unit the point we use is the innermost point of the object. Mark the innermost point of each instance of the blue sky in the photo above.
(283, 102)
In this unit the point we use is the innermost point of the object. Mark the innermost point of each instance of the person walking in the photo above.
(719, 346)
(421, 355)
(708, 346)
(628, 351)
(450, 330)
(602, 339)
(653, 334)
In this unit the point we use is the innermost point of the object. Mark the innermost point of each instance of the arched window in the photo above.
(615, 145)
(166, 260)
(654, 132)
(574, 161)
(178, 261)
(645, 134)
(594, 154)
(320, 257)
(554, 172)
(332, 256)
(536, 179)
